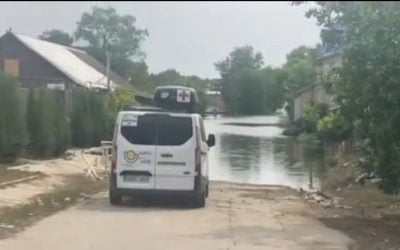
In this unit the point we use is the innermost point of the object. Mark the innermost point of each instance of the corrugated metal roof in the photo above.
(62, 58)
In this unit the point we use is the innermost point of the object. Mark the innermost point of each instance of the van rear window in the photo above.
(143, 132)
(174, 130)
(156, 129)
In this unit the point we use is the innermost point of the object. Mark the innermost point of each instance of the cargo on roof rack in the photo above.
(176, 98)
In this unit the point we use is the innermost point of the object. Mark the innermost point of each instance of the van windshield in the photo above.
(156, 129)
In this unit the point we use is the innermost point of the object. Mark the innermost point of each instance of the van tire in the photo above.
(199, 200)
(115, 199)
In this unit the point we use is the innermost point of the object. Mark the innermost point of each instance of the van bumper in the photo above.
(200, 184)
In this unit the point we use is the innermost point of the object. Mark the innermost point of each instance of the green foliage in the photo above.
(299, 71)
(62, 129)
(313, 113)
(119, 64)
(48, 128)
(367, 86)
(57, 36)
(273, 89)
(249, 91)
(167, 77)
(332, 127)
(140, 79)
(311, 116)
(88, 119)
(300, 68)
(246, 88)
(278, 85)
(241, 58)
(309, 141)
(104, 27)
(114, 103)
(43, 138)
(31, 117)
(139, 74)
(12, 129)
(202, 99)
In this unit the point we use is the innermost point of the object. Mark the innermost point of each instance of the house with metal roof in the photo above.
(42, 64)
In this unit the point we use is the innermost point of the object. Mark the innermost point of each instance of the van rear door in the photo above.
(136, 151)
(175, 153)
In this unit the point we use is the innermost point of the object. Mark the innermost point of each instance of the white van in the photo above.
(159, 152)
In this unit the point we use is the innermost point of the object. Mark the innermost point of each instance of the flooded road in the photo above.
(246, 153)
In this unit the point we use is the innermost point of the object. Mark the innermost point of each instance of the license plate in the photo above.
(136, 178)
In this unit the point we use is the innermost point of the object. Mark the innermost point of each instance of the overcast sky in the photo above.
(187, 36)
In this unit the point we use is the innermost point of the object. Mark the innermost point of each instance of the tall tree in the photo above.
(57, 36)
(139, 74)
(104, 27)
(239, 59)
(299, 71)
(366, 86)
(274, 89)
(243, 84)
(301, 67)
(167, 77)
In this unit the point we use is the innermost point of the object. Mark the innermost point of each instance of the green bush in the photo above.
(115, 102)
(31, 119)
(12, 129)
(366, 85)
(47, 125)
(332, 127)
(309, 141)
(88, 119)
(62, 129)
(313, 113)
(311, 118)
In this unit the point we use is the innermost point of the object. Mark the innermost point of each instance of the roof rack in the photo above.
(152, 109)
(141, 108)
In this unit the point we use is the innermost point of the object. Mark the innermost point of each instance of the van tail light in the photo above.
(197, 153)
(114, 154)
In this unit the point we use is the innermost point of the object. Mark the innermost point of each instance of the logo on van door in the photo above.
(130, 156)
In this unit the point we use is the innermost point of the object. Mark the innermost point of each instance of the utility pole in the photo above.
(108, 66)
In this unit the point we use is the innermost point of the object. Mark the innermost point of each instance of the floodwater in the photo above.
(260, 154)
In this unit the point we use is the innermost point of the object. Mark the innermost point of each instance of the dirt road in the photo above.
(236, 217)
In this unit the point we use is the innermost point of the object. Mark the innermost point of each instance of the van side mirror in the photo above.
(211, 140)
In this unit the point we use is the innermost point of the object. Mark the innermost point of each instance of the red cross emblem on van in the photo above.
(183, 95)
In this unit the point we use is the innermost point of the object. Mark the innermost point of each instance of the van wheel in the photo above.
(199, 200)
(115, 199)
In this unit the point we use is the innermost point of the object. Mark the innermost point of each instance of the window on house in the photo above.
(11, 67)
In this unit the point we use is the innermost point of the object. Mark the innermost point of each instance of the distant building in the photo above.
(215, 103)
(316, 93)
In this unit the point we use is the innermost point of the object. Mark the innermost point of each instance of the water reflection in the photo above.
(260, 155)
(242, 153)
